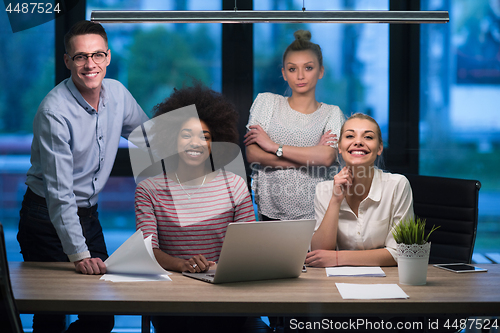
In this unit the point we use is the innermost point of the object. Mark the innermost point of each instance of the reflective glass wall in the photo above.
(28, 73)
(459, 99)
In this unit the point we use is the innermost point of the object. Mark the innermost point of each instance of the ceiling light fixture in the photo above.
(274, 16)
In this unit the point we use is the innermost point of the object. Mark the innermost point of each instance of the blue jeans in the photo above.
(39, 242)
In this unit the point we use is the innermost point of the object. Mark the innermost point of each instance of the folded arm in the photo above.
(261, 149)
(331, 258)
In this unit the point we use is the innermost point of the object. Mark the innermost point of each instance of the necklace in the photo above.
(189, 195)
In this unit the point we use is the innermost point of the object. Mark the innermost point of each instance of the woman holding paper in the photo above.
(187, 208)
(356, 212)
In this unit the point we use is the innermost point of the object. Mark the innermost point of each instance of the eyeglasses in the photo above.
(97, 57)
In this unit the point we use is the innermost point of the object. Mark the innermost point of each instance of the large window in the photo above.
(28, 71)
(355, 56)
(152, 59)
(460, 89)
(28, 74)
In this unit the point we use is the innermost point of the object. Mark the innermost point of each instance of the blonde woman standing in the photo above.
(291, 142)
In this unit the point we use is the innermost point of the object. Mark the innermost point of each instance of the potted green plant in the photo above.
(413, 250)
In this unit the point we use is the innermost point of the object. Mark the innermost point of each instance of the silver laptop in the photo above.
(261, 251)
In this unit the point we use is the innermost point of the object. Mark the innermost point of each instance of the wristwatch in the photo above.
(279, 152)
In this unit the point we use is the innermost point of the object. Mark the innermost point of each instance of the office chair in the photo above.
(9, 316)
(451, 204)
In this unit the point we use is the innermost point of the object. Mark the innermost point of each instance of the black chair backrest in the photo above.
(451, 204)
(9, 316)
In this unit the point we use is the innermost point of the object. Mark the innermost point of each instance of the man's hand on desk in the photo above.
(90, 266)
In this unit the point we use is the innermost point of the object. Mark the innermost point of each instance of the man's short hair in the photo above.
(84, 28)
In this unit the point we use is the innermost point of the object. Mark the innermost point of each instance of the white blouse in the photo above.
(282, 193)
(389, 202)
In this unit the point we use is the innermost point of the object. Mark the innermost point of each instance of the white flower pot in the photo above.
(412, 263)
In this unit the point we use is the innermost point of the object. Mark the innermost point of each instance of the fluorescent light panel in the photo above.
(274, 16)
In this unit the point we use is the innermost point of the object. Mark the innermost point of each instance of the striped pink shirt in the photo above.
(183, 226)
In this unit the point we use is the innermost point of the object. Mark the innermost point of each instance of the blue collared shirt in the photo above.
(73, 151)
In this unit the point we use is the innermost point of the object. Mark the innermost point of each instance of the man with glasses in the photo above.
(76, 132)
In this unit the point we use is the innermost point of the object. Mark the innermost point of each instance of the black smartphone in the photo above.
(461, 268)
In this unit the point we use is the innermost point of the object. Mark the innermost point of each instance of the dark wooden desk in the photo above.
(56, 288)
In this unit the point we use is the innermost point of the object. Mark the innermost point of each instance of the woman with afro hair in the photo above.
(188, 207)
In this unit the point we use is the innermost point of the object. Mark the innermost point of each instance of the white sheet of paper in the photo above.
(134, 257)
(354, 271)
(370, 291)
(134, 278)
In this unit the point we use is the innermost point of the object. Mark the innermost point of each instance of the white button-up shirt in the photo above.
(389, 201)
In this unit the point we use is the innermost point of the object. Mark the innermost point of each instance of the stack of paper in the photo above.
(134, 261)
(370, 291)
(354, 271)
